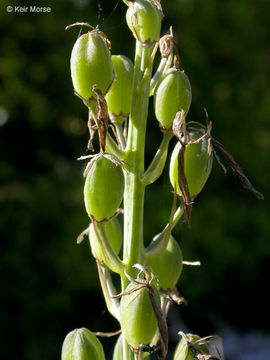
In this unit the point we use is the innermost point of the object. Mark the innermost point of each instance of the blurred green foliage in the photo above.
(49, 284)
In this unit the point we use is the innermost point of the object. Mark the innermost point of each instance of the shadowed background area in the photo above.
(49, 285)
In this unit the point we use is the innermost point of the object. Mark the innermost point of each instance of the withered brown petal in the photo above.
(236, 169)
(182, 181)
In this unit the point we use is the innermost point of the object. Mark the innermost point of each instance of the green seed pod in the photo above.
(118, 351)
(189, 347)
(138, 320)
(119, 96)
(167, 266)
(81, 344)
(172, 94)
(91, 64)
(113, 232)
(197, 164)
(104, 188)
(144, 20)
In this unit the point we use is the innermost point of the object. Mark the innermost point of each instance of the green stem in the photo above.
(134, 160)
(127, 2)
(111, 259)
(112, 147)
(108, 290)
(164, 65)
(159, 244)
(158, 75)
(177, 216)
(157, 165)
(120, 135)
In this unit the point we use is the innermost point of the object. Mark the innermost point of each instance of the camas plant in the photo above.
(117, 93)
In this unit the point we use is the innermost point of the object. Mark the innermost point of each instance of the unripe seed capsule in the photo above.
(118, 349)
(197, 165)
(167, 266)
(172, 94)
(138, 320)
(91, 64)
(103, 189)
(187, 349)
(113, 232)
(81, 344)
(119, 96)
(144, 20)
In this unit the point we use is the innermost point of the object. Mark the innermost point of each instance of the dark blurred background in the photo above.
(49, 285)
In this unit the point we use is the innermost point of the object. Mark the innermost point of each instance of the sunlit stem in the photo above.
(177, 216)
(156, 167)
(127, 2)
(158, 75)
(160, 243)
(112, 148)
(164, 65)
(111, 259)
(134, 160)
(120, 135)
(108, 290)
